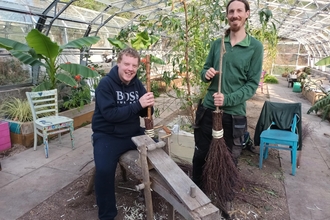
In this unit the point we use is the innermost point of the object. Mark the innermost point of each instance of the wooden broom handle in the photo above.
(222, 52)
(148, 81)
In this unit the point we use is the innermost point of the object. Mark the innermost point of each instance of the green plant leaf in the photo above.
(141, 41)
(76, 69)
(154, 59)
(66, 79)
(45, 85)
(42, 44)
(27, 59)
(81, 42)
(117, 43)
(323, 62)
(13, 45)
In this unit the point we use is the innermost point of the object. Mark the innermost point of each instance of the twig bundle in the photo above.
(220, 173)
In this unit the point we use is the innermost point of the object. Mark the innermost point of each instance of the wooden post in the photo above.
(146, 182)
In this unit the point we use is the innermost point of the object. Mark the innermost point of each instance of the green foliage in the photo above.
(268, 35)
(90, 4)
(17, 110)
(190, 43)
(270, 79)
(139, 40)
(79, 97)
(41, 51)
(155, 89)
(307, 70)
(323, 62)
(323, 104)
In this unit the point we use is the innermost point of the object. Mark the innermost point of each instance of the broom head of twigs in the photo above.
(220, 174)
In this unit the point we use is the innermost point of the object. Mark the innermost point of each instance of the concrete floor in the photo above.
(28, 178)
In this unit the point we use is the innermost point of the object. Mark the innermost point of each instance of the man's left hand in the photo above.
(218, 99)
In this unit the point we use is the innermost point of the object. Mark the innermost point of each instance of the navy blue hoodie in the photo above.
(117, 107)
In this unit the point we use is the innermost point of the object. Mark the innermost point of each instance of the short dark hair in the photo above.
(245, 2)
(131, 52)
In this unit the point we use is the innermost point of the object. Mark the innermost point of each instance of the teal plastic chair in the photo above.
(282, 140)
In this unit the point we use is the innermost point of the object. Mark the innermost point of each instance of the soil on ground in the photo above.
(262, 197)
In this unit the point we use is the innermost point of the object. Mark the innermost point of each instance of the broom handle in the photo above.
(222, 52)
(148, 81)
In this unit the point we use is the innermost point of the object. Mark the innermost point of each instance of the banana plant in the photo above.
(41, 51)
(323, 62)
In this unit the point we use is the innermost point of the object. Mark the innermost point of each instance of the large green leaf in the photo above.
(27, 59)
(78, 69)
(13, 45)
(45, 85)
(66, 79)
(117, 43)
(81, 42)
(42, 44)
(323, 62)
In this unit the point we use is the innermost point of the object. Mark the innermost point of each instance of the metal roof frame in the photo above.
(303, 21)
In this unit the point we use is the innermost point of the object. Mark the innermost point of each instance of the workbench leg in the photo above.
(146, 182)
(171, 212)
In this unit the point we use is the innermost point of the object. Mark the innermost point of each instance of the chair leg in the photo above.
(261, 153)
(60, 138)
(266, 151)
(294, 159)
(45, 137)
(35, 138)
(71, 135)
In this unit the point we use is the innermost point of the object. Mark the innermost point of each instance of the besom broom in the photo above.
(220, 173)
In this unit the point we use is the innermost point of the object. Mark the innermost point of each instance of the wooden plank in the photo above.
(206, 212)
(177, 180)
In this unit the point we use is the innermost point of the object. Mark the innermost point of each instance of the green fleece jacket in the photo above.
(241, 71)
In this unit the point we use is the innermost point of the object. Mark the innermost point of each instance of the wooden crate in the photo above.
(312, 96)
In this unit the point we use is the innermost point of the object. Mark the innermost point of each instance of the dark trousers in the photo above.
(107, 151)
(203, 139)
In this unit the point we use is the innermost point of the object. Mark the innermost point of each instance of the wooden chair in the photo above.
(46, 121)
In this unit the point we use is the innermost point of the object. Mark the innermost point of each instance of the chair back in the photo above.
(43, 103)
(293, 126)
(294, 123)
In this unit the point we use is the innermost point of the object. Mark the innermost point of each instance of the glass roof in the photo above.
(305, 22)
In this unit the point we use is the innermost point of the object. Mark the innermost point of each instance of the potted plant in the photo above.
(18, 114)
(322, 104)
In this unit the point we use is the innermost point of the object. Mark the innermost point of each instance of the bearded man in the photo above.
(241, 70)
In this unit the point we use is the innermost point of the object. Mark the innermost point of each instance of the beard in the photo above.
(235, 27)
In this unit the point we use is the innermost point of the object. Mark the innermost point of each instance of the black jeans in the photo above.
(203, 139)
(107, 151)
